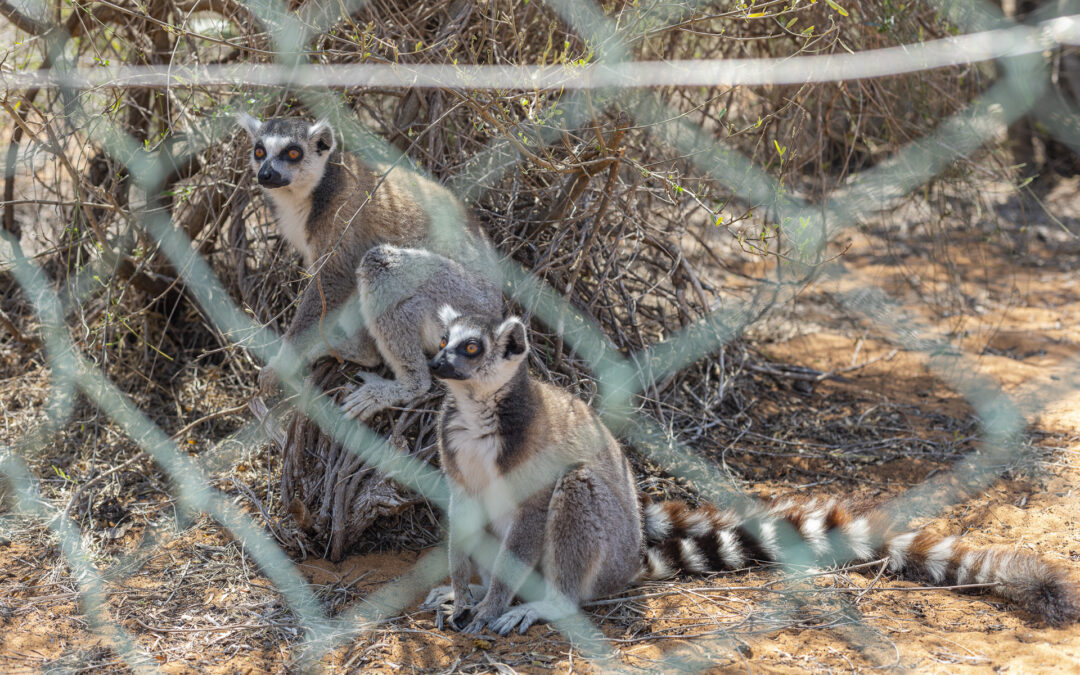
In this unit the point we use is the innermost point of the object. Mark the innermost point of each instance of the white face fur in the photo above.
(288, 153)
(476, 357)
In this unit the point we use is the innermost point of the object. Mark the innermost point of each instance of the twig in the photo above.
(206, 418)
(31, 341)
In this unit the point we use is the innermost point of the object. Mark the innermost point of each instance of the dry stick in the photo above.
(696, 283)
(31, 341)
(33, 27)
(204, 5)
(848, 369)
(270, 523)
(322, 299)
(873, 584)
(575, 271)
(55, 202)
(206, 418)
(539, 161)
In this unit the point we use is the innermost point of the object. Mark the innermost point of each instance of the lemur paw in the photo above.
(365, 401)
(520, 617)
(484, 615)
(437, 597)
(476, 626)
(441, 595)
(443, 602)
(268, 382)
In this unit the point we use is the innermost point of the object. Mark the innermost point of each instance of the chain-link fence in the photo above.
(595, 76)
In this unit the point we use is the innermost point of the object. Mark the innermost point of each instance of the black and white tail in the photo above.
(708, 539)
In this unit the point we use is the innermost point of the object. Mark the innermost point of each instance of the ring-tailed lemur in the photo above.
(505, 438)
(406, 242)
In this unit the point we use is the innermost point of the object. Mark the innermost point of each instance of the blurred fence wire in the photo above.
(610, 79)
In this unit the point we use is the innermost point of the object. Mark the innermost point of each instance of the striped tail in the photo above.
(708, 539)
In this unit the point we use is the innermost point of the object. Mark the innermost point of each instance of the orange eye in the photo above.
(442, 344)
(294, 154)
(259, 153)
(471, 348)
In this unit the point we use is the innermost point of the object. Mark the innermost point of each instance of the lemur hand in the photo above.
(269, 383)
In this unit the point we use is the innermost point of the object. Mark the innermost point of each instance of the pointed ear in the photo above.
(447, 314)
(252, 125)
(511, 336)
(322, 134)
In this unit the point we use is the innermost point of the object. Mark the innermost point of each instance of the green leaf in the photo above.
(838, 8)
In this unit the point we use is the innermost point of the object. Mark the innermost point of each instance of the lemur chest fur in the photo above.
(292, 212)
(471, 435)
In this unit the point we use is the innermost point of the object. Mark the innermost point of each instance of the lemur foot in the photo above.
(368, 398)
(521, 617)
(442, 595)
(442, 601)
(484, 615)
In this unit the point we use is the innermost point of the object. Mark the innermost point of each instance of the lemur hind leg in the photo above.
(343, 336)
(327, 323)
(401, 291)
(404, 355)
(591, 547)
(356, 343)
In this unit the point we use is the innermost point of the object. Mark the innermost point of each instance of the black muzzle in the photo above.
(270, 178)
(441, 368)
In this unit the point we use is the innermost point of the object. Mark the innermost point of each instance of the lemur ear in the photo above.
(512, 337)
(323, 135)
(252, 125)
(447, 314)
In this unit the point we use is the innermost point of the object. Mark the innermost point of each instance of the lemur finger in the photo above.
(476, 626)
(359, 405)
(503, 625)
(521, 617)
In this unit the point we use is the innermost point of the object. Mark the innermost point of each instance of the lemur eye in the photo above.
(293, 154)
(472, 348)
(259, 152)
(442, 344)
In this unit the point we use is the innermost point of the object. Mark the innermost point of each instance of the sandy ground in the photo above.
(1011, 302)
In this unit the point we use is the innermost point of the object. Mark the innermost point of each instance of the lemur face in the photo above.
(478, 352)
(289, 152)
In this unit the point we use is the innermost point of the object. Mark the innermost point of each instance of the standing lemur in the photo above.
(559, 495)
(404, 241)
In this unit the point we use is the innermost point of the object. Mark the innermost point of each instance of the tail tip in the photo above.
(1057, 602)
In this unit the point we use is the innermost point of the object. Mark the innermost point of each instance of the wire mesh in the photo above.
(610, 78)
